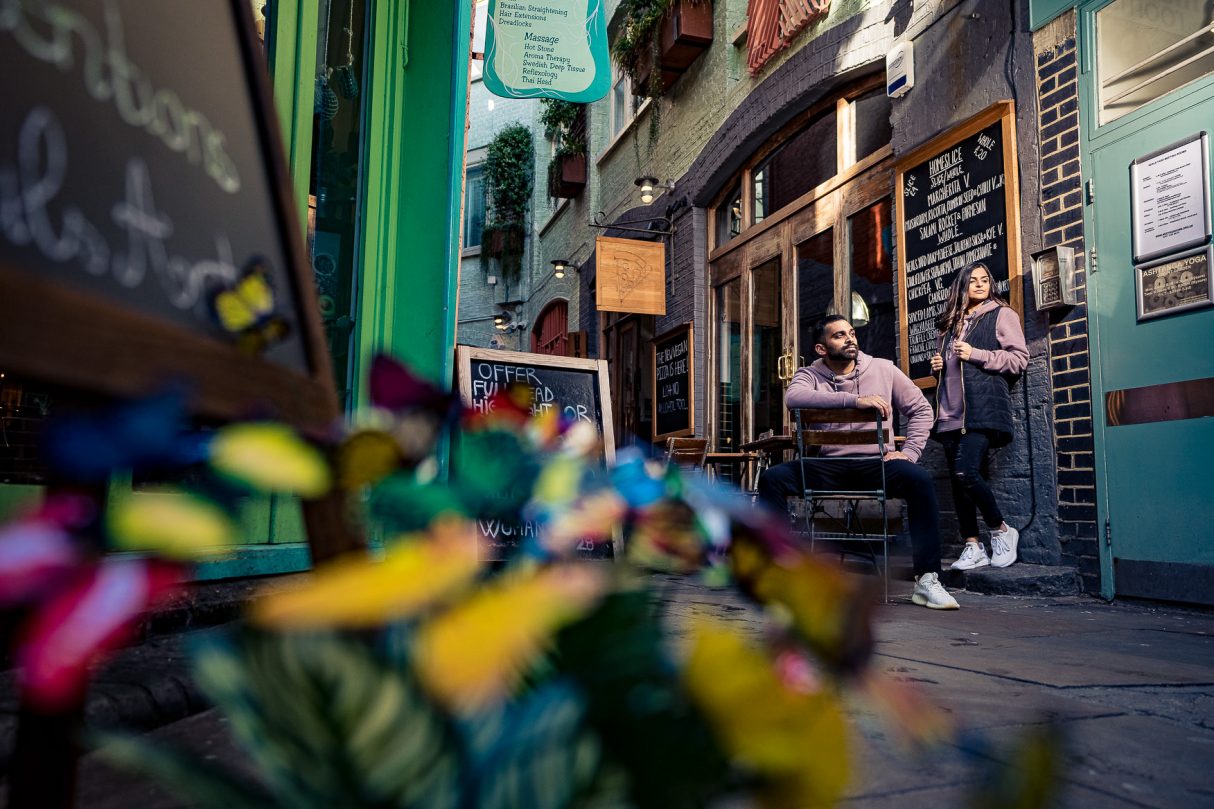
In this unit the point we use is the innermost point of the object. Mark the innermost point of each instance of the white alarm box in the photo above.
(900, 69)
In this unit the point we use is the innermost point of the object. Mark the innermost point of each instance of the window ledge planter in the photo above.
(569, 181)
(684, 33)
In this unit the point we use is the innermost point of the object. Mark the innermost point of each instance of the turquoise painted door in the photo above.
(1155, 470)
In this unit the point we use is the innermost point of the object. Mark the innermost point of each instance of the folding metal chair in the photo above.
(845, 515)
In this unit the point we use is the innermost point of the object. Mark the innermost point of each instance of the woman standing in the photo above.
(980, 351)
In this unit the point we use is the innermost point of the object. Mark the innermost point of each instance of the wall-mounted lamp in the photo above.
(648, 185)
(1054, 277)
(559, 267)
(859, 310)
(501, 321)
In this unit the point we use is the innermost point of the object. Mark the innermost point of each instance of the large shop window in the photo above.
(1147, 49)
(337, 136)
(806, 231)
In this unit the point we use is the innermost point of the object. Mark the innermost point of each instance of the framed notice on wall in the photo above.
(1175, 284)
(957, 202)
(673, 368)
(1170, 198)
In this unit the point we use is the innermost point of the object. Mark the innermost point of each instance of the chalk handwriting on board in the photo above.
(109, 75)
(32, 184)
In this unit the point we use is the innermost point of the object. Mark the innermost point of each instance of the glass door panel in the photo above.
(767, 390)
(815, 288)
(728, 432)
(870, 247)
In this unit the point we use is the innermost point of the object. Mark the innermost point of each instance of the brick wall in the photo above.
(1062, 224)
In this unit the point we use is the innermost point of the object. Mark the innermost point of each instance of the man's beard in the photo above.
(845, 354)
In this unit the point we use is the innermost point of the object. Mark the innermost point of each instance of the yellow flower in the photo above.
(270, 457)
(359, 593)
(475, 653)
(171, 524)
(796, 741)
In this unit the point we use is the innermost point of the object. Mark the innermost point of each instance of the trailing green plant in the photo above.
(570, 147)
(559, 117)
(508, 184)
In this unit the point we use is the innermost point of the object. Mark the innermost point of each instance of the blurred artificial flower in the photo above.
(359, 593)
(270, 457)
(794, 739)
(474, 654)
(173, 525)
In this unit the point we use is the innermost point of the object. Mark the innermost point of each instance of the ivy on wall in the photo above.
(508, 185)
(564, 124)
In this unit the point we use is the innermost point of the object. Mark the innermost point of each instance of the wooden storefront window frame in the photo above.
(855, 186)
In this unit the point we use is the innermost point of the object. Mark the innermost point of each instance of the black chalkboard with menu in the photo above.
(577, 388)
(140, 175)
(957, 204)
(673, 368)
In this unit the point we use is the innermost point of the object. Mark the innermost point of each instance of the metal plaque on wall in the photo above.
(1170, 198)
(1175, 284)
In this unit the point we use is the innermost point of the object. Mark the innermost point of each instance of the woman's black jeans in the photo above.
(965, 453)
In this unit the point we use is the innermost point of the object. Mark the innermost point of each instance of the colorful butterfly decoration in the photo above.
(246, 309)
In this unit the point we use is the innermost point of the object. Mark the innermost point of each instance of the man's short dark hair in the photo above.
(822, 325)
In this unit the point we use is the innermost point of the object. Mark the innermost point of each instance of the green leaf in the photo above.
(402, 504)
(646, 722)
(183, 774)
(536, 753)
(494, 473)
(331, 725)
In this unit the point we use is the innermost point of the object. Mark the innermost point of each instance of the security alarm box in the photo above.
(900, 69)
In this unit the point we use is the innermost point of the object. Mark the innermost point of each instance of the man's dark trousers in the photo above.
(903, 479)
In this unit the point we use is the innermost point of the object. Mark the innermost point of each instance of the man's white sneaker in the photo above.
(1003, 546)
(973, 556)
(930, 593)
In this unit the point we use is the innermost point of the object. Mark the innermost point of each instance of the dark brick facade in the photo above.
(1062, 224)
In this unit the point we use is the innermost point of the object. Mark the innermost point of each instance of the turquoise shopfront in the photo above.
(1146, 111)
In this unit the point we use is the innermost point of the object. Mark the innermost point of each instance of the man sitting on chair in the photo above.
(843, 376)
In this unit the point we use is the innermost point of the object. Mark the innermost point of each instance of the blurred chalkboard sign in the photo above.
(577, 388)
(957, 203)
(673, 383)
(141, 171)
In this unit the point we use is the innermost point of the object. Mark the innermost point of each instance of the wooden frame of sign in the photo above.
(506, 367)
(120, 328)
(678, 334)
(967, 209)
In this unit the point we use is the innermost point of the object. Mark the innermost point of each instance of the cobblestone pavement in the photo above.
(1132, 685)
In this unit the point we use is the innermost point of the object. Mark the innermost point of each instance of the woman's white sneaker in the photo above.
(930, 593)
(1003, 546)
(973, 556)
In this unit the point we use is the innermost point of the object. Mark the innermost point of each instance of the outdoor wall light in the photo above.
(859, 310)
(649, 184)
(501, 321)
(559, 266)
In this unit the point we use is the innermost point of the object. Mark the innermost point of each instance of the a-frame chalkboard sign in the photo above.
(140, 170)
(578, 388)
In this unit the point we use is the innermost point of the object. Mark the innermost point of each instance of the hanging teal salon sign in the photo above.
(547, 49)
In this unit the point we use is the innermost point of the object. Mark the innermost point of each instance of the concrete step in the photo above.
(1020, 579)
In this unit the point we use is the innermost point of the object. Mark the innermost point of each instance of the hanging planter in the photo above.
(670, 33)
(508, 186)
(567, 175)
(565, 125)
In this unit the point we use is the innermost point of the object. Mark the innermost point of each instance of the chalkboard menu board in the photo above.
(140, 174)
(578, 388)
(673, 383)
(957, 203)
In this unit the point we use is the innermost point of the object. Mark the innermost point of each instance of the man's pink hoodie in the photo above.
(817, 386)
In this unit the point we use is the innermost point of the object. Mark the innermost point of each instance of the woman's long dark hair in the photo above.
(959, 297)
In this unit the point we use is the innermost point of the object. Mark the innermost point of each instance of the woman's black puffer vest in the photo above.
(988, 402)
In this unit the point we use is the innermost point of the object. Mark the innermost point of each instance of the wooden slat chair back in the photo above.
(866, 516)
(687, 453)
